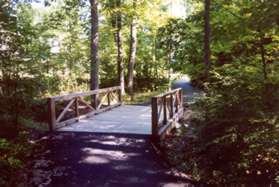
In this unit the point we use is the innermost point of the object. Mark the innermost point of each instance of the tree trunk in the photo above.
(169, 61)
(207, 35)
(120, 62)
(94, 71)
(117, 25)
(155, 64)
(169, 69)
(132, 54)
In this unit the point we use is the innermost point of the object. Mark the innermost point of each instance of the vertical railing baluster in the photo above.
(52, 114)
(155, 120)
(176, 102)
(165, 109)
(109, 93)
(120, 96)
(76, 108)
(171, 105)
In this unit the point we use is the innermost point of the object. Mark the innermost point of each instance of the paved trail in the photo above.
(110, 149)
(98, 159)
(190, 93)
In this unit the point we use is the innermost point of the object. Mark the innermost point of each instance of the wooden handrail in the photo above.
(111, 98)
(167, 109)
(168, 93)
(84, 94)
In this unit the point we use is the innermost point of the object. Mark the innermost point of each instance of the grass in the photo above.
(143, 97)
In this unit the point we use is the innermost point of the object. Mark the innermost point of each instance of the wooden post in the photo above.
(176, 101)
(76, 108)
(52, 114)
(120, 96)
(181, 98)
(171, 105)
(165, 109)
(154, 105)
(108, 98)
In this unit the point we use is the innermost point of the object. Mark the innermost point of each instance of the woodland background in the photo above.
(230, 49)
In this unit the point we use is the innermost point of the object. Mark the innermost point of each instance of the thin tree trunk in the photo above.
(132, 54)
(120, 62)
(155, 62)
(169, 61)
(94, 71)
(117, 25)
(169, 69)
(207, 52)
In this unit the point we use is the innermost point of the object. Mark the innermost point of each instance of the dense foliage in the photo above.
(45, 50)
(237, 125)
(235, 136)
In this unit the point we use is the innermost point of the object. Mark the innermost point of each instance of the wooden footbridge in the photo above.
(107, 143)
(75, 112)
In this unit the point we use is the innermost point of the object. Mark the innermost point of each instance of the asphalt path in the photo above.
(106, 159)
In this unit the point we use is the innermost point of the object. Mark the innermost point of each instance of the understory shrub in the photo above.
(13, 156)
(236, 136)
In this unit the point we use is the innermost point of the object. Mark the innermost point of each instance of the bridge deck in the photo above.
(131, 119)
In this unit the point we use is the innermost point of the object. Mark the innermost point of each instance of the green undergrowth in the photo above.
(14, 155)
(144, 97)
(234, 131)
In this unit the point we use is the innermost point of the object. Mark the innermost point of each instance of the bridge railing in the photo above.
(70, 108)
(167, 109)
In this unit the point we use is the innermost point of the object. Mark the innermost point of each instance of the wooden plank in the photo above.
(65, 111)
(73, 120)
(102, 101)
(67, 122)
(170, 124)
(104, 109)
(83, 94)
(172, 104)
(168, 93)
(115, 97)
(76, 98)
(123, 119)
(164, 130)
(160, 111)
(85, 103)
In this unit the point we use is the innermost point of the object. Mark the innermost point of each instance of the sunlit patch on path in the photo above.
(106, 159)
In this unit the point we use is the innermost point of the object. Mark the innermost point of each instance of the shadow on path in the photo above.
(98, 159)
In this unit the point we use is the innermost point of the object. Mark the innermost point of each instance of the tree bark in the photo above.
(117, 25)
(155, 64)
(207, 51)
(132, 54)
(94, 69)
